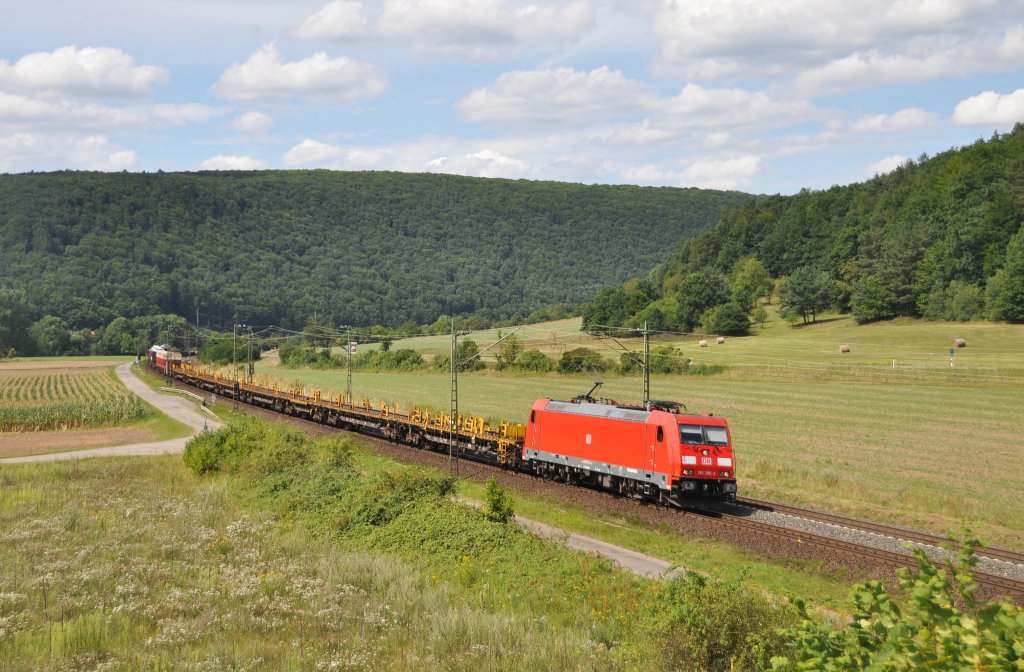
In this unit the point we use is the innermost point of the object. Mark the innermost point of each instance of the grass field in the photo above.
(922, 444)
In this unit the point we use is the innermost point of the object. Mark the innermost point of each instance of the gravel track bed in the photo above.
(1008, 570)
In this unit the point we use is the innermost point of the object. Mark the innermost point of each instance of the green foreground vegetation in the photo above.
(288, 553)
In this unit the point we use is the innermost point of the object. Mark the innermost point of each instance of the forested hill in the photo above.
(939, 237)
(356, 247)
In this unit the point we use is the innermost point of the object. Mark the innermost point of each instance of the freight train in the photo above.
(652, 452)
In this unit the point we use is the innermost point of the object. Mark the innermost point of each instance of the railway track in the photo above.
(903, 534)
(991, 585)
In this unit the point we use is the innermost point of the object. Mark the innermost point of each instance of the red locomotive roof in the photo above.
(620, 412)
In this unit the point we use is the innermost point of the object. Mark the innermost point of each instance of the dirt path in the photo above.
(182, 410)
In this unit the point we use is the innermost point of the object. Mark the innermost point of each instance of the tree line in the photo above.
(938, 238)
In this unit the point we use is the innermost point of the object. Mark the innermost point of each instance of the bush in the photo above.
(534, 361)
(581, 358)
(497, 503)
(941, 626)
(225, 449)
(729, 319)
(706, 624)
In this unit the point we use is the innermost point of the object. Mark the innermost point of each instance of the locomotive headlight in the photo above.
(705, 452)
(724, 474)
(687, 472)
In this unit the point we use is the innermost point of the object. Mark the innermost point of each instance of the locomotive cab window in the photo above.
(691, 434)
(717, 436)
(533, 416)
(703, 435)
(661, 434)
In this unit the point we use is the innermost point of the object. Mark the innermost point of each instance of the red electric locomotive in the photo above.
(652, 452)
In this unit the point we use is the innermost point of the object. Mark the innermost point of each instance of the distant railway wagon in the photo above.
(649, 451)
(161, 356)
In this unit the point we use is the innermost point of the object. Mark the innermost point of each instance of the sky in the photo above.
(763, 96)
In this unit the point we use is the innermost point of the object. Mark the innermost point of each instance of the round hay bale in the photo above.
(959, 343)
(702, 344)
(844, 348)
(720, 340)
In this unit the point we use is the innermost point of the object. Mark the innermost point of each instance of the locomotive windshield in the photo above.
(703, 435)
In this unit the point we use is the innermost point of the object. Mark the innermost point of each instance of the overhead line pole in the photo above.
(647, 367)
(348, 349)
(453, 463)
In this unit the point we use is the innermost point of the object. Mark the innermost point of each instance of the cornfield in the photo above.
(32, 401)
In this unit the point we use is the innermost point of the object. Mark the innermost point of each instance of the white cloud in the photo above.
(447, 155)
(264, 77)
(255, 123)
(707, 107)
(40, 151)
(716, 140)
(837, 44)
(232, 162)
(562, 95)
(313, 153)
(482, 27)
(886, 165)
(991, 109)
(488, 163)
(23, 112)
(909, 119)
(729, 173)
(87, 71)
(340, 20)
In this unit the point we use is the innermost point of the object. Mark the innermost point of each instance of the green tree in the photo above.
(729, 319)
(51, 336)
(14, 323)
(751, 281)
(964, 301)
(508, 351)
(466, 356)
(119, 338)
(871, 300)
(1007, 300)
(761, 316)
(807, 292)
(697, 293)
